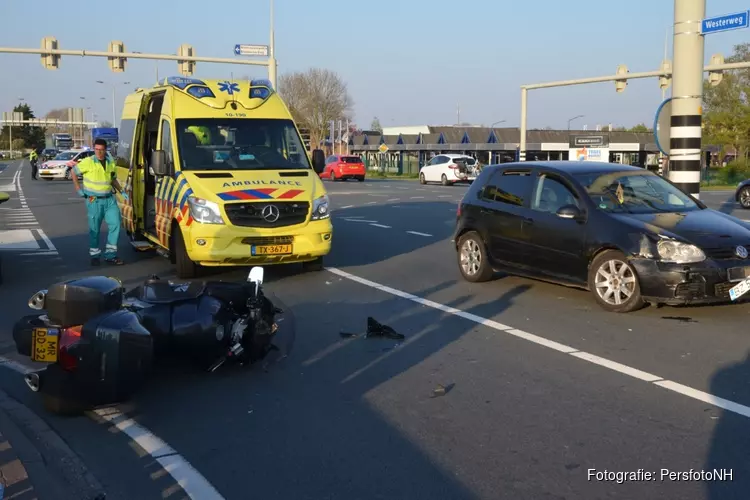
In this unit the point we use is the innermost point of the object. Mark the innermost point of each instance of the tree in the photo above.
(32, 137)
(375, 125)
(315, 98)
(105, 124)
(726, 116)
(640, 128)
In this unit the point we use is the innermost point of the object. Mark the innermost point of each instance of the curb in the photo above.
(53, 469)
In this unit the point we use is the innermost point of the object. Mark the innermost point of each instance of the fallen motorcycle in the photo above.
(100, 342)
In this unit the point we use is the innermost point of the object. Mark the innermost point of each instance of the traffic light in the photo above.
(715, 77)
(665, 80)
(186, 67)
(50, 61)
(621, 84)
(117, 64)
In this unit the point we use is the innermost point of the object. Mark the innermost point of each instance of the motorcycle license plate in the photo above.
(740, 289)
(271, 249)
(46, 341)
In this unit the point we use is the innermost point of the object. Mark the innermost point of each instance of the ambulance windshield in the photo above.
(240, 144)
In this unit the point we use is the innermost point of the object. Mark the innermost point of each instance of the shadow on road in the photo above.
(731, 438)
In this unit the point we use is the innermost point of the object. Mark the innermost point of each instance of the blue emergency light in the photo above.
(260, 88)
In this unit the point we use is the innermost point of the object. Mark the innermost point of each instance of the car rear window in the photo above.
(351, 159)
(468, 161)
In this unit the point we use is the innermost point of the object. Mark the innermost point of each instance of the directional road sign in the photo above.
(250, 50)
(726, 22)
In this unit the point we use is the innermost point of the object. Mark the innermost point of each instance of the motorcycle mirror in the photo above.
(256, 275)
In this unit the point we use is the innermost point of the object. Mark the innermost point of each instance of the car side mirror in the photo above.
(159, 162)
(570, 212)
(318, 160)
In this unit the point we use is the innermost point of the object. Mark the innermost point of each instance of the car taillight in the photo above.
(458, 211)
(68, 339)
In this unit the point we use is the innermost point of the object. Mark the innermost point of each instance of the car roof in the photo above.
(574, 167)
(454, 155)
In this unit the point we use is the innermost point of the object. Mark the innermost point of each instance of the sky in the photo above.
(416, 62)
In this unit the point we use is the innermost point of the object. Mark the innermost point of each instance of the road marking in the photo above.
(380, 225)
(190, 480)
(572, 351)
(348, 206)
(392, 200)
(445, 196)
(371, 203)
(50, 246)
(419, 234)
(417, 197)
(359, 220)
(42, 252)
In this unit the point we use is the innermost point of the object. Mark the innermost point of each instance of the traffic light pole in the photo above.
(687, 96)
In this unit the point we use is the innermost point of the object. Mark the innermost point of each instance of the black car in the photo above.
(624, 233)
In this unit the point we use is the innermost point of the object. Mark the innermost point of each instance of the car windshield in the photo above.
(240, 144)
(635, 193)
(65, 156)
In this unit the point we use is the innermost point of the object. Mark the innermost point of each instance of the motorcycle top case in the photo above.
(74, 302)
(115, 358)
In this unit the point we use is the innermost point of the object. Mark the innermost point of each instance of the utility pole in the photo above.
(272, 54)
(687, 96)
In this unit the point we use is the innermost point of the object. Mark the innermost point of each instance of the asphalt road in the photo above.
(541, 384)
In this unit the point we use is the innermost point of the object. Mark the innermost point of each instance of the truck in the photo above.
(109, 134)
(59, 142)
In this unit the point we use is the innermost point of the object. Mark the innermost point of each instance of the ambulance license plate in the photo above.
(271, 249)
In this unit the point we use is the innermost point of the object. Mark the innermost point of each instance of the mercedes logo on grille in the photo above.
(741, 252)
(271, 214)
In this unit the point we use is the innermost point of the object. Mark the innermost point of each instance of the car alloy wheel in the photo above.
(472, 258)
(745, 197)
(614, 283)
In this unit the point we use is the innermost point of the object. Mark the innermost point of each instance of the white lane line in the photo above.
(190, 480)
(359, 220)
(348, 206)
(27, 223)
(419, 234)
(380, 225)
(371, 203)
(47, 240)
(43, 252)
(445, 196)
(572, 351)
(392, 200)
(417, 197)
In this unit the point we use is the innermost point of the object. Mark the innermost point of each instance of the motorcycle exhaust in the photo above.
(32, 380)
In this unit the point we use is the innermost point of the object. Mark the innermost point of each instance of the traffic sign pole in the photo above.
(687, 96)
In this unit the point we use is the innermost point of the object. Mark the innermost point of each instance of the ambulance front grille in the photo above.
(265, 214)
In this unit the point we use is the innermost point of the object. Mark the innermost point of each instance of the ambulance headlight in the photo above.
(320, 208)
(204, 211)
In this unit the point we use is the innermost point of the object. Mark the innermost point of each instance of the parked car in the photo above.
(343, 167)
(742, 194)
(449, 169)
(628, 235)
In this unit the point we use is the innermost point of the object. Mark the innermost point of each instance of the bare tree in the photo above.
(314, 98)
(62, 115)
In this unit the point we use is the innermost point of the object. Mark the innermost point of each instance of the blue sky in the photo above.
(406, 62)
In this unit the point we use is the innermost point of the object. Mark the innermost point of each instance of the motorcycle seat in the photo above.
(163, 292)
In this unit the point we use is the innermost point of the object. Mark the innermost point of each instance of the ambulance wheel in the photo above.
(313, 265)
(186, 268)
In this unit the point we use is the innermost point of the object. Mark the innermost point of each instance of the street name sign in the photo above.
(250, 50)
(726, 22)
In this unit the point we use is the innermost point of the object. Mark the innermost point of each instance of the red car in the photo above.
(342, 167)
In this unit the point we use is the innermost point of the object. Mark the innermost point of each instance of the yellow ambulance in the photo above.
(218, 175)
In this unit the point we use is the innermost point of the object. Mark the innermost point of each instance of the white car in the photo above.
(449, 169)
(61, 166)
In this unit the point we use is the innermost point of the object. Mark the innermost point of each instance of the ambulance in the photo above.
(218, 175)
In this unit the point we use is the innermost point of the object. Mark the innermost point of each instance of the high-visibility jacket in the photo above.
(32, 155)
(97, 180)
(203, 134)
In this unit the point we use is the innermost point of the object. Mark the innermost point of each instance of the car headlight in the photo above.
(204, 211)
(679, 253)
(320, 208)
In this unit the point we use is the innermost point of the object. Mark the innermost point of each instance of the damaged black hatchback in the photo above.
(626, 234)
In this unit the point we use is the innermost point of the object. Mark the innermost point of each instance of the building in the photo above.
(405, 152)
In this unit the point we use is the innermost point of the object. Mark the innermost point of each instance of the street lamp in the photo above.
(114, 98)
(574, 118)
(501, 121)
